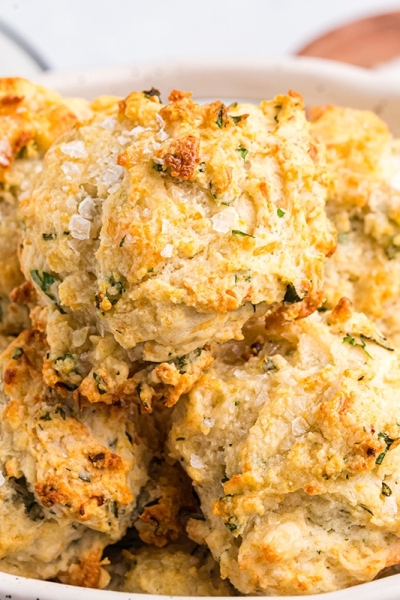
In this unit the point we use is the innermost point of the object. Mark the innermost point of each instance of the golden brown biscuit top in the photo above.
(31, 118)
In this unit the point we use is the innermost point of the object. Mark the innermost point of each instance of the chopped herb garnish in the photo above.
(281, 213)
(128, 435)
(85, 478)
(242, 233)
(122, 242)
(386, 491)
(291, 296)
(182, 362)
(224, 479)
(220, 115)
(391, 250)
(100, 383)
(388, 441)
(61, 412)
(157, 167)
(366, 509)
(18, 352)
(152, 92)
(349, 339)
(115, 509)
(278, 106)
(49, 236)
(236, 119)
(319, 551)
(231, 526)
(180, 439)
(71, 387)
(243, 152)
(45, 281)
(237, 403)
(151, 270)
(202, 167)
(46, 417)
(380, 341)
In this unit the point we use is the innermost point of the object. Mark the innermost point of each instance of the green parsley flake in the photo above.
(46, 417)
(220, 115)
(281, 213)
(388, 441)
(386, 491)
(366, 509)
(243, 152)
(18, 352)
(61, 412)
(242, 233)
(291, 296)
(349, 339)
(152, 92)
(100, 384)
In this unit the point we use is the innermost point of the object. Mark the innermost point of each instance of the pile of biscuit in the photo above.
(200, 324)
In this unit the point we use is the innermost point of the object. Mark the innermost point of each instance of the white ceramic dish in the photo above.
(320, 82)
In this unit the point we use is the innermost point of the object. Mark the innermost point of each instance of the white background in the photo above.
(73, 34)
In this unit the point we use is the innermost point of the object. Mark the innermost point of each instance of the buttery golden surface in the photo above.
(71, 475)
(363, 163)
(291, 440)
(168, 226)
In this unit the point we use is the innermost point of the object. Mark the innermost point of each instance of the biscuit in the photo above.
(291, 440)
(169, 226)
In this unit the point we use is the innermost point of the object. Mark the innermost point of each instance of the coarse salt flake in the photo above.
(87, 208)
(299, 426)
(79, 227)
(136, 130)
(162, 135)
(108, 124)
(167, 251)
(75, 149)
(160, 120)
(208, 422)
(196, 461)
(70, 169)
(112, 175)
(223, 221)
